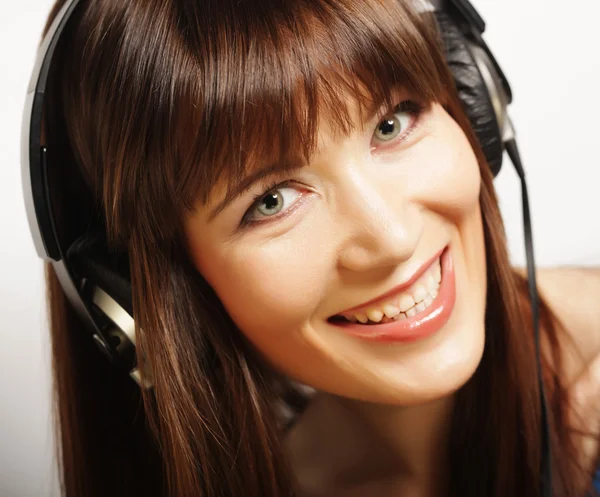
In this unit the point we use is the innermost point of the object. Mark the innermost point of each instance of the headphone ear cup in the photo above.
(90, 258)
(105, 284)
(472, 90)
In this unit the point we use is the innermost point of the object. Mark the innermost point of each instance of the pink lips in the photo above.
(397, 289)
(422, 324)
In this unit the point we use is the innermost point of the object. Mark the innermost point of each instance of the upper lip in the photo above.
(397, 289)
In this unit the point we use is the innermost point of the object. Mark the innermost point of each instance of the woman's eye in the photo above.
(275, 201)
(399, 124)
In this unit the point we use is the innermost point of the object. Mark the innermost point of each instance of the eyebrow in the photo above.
(245, 182)
(279, 169)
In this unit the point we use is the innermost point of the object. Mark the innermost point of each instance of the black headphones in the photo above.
(97, 282)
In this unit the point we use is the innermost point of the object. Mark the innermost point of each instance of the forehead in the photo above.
(297, 79)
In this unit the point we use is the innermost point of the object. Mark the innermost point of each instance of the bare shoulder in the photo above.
(573, 295)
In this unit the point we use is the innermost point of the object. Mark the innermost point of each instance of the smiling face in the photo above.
(356, 236)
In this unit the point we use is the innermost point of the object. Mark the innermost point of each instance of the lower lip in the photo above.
(422, 324)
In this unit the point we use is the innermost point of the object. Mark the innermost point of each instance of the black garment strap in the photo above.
(546, 461)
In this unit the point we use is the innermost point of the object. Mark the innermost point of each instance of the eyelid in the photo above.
(247, 222)
(274, 185)
(414, 107)
(415, 103)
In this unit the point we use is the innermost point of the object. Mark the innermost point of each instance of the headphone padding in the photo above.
(89, 258)
(472, 90)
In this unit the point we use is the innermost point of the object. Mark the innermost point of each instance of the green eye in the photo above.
(271, 203)
(393, 126)
(399, 122)
(277, 199)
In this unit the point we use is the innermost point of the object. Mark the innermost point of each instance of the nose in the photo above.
(381, 227)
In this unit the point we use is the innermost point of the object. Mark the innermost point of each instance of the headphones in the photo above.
(96, 282)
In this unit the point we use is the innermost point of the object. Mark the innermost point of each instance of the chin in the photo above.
(445, 370)
(425, 376)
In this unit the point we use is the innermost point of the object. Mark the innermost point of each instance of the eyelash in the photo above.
(246, 221)
(416, 109)
(413, 107)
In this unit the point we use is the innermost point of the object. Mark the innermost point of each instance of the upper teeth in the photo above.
(406, 304)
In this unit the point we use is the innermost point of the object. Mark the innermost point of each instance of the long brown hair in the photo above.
(152, 103)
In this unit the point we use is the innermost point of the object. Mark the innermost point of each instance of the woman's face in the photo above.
(359, 234)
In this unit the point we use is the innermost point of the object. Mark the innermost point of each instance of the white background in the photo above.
(548, 51)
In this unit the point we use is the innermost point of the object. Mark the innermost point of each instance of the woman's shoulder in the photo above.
(573, 296)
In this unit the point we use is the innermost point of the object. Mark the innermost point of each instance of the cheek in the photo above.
(455, 195)
(268, 288)
(449, 181)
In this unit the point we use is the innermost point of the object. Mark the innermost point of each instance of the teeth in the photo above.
(431, 283)
(406, 302)
(419, 293)
(362, 318)
(391, 311)
(375, 315)
(416, 299)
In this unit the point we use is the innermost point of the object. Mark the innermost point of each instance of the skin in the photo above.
(573, 294)
(421, 193)
(364, 216)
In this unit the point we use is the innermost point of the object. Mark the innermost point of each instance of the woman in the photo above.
(303, 203)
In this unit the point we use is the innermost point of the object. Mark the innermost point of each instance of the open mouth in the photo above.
(401, 306)
(409, 314)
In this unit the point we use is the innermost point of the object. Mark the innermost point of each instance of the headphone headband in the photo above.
(464, 8)
(33, 150)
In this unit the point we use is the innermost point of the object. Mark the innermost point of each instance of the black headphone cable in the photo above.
(546, 460)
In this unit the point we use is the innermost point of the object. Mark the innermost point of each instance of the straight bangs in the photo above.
(183, 98)
(262, 76)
